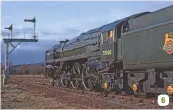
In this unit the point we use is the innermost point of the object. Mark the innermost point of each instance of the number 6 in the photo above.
(163, 99)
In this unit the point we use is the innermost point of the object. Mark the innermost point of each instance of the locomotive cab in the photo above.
(111, 53)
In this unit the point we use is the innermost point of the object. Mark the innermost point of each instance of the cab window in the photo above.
(108, 36)
(126, 27)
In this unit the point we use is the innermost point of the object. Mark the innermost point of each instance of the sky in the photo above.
(60, 20)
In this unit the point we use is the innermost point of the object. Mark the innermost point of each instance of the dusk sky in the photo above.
(61, 20)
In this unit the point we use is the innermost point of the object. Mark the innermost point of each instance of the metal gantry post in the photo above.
(6, 71)
(6, 55)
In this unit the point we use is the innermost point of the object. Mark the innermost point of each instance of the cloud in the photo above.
(65, 31)
(30, 47)
(17, 32)
(1, 39)
(46, 39)
(43, 34)
(7, 17)
(18, 47)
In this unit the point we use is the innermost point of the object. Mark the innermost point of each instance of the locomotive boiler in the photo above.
(134, 54)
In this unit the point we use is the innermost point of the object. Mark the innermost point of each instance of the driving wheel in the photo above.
(75, 75)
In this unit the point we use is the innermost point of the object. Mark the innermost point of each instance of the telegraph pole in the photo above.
(9, 41)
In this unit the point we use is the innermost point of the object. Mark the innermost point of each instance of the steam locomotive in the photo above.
(134, 54)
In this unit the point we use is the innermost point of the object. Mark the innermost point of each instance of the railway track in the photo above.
(85, 99)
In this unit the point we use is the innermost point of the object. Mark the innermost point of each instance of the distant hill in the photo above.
(37, 68)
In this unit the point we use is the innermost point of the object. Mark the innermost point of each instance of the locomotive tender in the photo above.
(134, 54)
